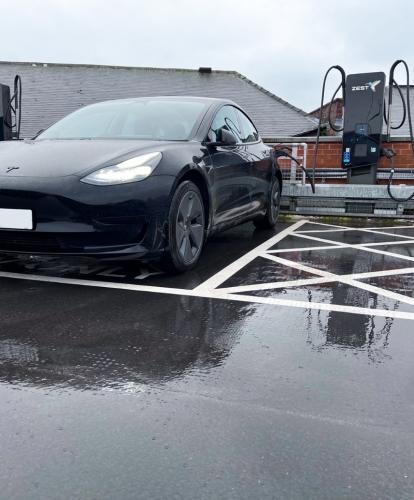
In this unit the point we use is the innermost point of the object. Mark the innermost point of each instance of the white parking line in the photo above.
(411, 226)
(329, 226)
(306, 249)
(215, 294)
(209, 288)
(226, 273)
(340, 245)
(348, 229)
(315, 281)
(342, 279)
(97, 284)
(368, 247)
(319, 306)
(372, 231)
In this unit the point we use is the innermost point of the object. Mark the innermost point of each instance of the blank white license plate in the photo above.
(16, 219)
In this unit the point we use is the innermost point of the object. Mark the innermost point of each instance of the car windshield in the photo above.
(161, 119)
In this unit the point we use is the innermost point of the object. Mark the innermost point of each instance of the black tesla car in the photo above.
(146, 178)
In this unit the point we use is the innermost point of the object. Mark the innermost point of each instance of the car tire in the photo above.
(269, 220)
(186, 229)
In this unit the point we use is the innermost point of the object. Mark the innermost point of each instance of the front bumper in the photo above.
(73, 218)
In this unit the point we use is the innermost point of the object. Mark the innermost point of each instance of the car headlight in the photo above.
(132, 170)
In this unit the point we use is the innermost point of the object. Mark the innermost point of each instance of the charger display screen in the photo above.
(360, 150)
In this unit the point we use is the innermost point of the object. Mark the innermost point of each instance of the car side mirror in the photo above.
(224, 138)
(227, 138)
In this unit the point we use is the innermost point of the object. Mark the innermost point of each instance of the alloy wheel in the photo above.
(189, 231)
(275, 200)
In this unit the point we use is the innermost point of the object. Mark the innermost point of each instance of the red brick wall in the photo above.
(330, 154)
(336, 113)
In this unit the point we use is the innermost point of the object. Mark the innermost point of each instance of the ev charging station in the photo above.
(367, 125)
(5, 114)
(363, 122)
(10, 110)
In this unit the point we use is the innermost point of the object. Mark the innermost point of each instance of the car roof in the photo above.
(206, 100)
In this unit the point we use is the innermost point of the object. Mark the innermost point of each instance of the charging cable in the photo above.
(389, 153)
(341, 85)
(286, 152)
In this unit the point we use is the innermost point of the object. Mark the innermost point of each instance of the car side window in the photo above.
(226, 118)
(249, 131)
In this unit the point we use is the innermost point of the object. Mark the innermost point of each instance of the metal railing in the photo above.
(291, 172)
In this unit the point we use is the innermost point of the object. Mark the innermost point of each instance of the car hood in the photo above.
(60, 158)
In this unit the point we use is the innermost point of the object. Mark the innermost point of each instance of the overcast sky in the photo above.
(284, 45)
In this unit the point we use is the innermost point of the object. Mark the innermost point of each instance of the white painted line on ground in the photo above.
(312, 231)
(368, 247)
(305, 249)
(277, 284)
(226, 273)
(209, 289)
(391, 227)
(387, 243)
(343, 279)
(341, 245)
(97, 284)
(112, 273)
(372, 231)
(359, 229)
(213, 294)
(316, 306)
(299, 266)
(314, 281)
(327, 225)
(383, 252)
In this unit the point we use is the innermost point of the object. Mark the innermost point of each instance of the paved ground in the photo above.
(281, 368)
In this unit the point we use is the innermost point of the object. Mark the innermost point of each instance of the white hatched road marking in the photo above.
(360, 230)
(226, 273)
(209, 288)
(340, 245)
(315, 281)
(218, 294)
(367, 247)
(342, 279)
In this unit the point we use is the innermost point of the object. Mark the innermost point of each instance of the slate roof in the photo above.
(50, 91)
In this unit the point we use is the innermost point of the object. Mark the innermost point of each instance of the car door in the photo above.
(260, 165)
(231, 185)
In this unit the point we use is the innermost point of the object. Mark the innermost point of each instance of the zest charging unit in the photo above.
(363, 124)
(5, 113)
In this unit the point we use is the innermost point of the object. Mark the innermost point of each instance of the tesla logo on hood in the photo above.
(10, 169)
(368, 85)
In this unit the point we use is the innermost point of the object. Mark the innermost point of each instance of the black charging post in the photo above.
(5, 113)
(11, 110)
(363, 122)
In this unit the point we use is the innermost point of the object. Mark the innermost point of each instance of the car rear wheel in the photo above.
(269, 220)
(186, 230)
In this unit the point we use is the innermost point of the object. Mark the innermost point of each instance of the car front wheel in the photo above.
(186, 231)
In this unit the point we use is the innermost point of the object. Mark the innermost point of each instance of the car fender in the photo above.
(198, 174)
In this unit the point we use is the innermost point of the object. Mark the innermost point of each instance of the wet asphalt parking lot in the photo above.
(282, 367)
